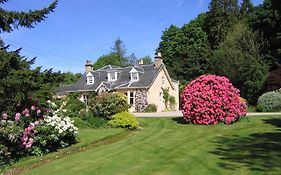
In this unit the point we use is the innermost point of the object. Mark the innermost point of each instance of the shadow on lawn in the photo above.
(180, 120)
(258, 151)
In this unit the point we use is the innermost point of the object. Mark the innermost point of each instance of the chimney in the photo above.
(158, 60)
(88, 66)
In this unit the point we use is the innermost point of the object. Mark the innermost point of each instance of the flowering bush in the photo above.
(33, 129)
(211, 99)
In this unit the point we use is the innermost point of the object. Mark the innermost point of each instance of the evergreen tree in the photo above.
(132, 60)
(221, 17)
(120, 51)
(146, 60)
(11, 20)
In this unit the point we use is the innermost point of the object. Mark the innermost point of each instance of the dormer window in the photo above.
(112, 76)
(134, 74)
(90, 78)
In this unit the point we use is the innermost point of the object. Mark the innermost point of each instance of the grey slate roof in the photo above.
(147, 74)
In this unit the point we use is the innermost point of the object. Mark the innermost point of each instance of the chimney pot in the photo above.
(88, 66)
(158, 60)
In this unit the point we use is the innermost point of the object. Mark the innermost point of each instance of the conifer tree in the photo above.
(10, 20)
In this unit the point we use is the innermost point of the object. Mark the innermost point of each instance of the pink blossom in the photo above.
(38, 111)
(5, 116)
(33, 108)
(211, 99)
(17, 116)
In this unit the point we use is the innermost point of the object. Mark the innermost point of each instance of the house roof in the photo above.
(147, 75)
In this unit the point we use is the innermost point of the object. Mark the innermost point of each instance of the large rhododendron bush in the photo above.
(212, 99)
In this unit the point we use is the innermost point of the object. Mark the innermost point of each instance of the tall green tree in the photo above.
(266, 19)
(222, 15)
(11, 20)
(17, 80)
(239, 58)
(185, 50)
(120, 50)
(132, 60)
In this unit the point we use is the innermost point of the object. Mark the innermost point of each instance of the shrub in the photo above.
(33, 130)
(96, 122)
(124, 120)
(172, 101)
(106, 105)
(78, 122)
(269, 102)
(73, 105)
(151, 108)
(211, 99)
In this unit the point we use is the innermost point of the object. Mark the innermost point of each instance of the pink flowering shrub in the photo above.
(26, 131)
(211, 99)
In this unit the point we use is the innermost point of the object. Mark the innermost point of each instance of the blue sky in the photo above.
(86, 29)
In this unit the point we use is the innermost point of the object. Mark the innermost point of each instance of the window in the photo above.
(90, 78)
(132, 98)
(112, 76)
(134, 76)
(163, 80)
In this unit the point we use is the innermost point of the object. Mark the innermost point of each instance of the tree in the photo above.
(109, 59)
(246, 7)
(146, 60)
(132, 60)
(11, 20)
(266, 19)
(186, 50)
(120, 51)
(222, 16)
(17, 80)
(239, 59)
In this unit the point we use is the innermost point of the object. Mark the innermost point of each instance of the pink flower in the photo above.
(5, 116)
(17, 116)
(32, 108)
(38, 111)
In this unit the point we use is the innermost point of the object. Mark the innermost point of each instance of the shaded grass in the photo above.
(166, 146)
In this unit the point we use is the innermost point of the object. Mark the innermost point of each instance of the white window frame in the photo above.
(90, 78)
(135, 77)
(109, 76)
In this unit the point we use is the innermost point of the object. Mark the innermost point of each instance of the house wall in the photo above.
(155, 92)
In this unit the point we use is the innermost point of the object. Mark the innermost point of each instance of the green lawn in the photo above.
(166, 146)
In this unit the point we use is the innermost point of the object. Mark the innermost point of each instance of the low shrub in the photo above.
(269, 102)
(211, 99)
(78, 122)
(172, 101)
(124, 120)
(96, 122)
(151, 108)
(73, 105)
(105, 105)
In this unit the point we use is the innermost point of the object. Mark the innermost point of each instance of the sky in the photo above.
(81, 30)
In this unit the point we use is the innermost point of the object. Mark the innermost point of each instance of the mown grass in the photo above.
(165, 146)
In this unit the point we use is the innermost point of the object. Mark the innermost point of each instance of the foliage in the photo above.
(269, 102)
(70, 78)
(140, 101)
(11, 20)
(73, 105)
(33, 130)
(211, 99)
(107, 104)
(166, 96)
(109, 59)
(124, 120)
(132, 60)
(221, 17)
(151, 108)
(186, 50)
(146, 60)
(239, 59)
(172, 102)
(95, 122)
(266, 19)
(274, 79)
(78, 122)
